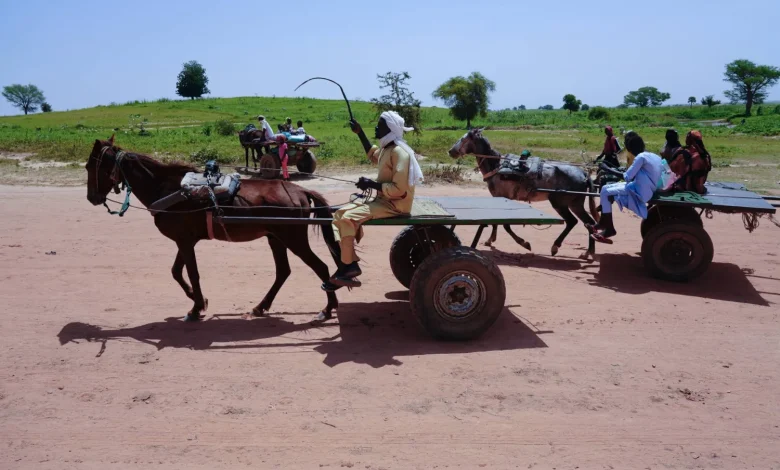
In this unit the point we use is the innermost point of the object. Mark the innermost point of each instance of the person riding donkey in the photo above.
(641, 183)
(399, 173)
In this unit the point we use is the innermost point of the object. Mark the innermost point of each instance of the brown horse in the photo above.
(554, 176)
(186, 222)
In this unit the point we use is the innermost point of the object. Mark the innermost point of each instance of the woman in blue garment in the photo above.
(641, 181)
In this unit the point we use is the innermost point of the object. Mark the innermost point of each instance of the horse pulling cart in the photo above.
(298, 153)
(455, 292)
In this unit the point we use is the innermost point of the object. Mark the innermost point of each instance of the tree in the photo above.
(547, 107)
(399, 99)
(25, 97)
(192, 81)
(692, 101)
(467, 98)
(645, 96)
(585, 107)
(750, 82)
(571, 103)
(45, 107)
(709, 101)
(521, 107)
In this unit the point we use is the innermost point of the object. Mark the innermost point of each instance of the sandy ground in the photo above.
(592, 366)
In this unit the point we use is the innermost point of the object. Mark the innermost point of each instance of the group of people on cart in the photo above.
(287, 134)
(678, 167)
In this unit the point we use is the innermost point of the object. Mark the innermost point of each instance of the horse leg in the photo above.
(298, 243)
(519, 240)
(177, 271)
(493, 236)
(187, 251)
(578, 207)
(282, 273)
(570, 221)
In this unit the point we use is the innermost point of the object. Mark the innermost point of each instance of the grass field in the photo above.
(747, 151)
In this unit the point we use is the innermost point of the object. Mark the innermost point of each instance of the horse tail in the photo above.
(322, 210)
(592, 200)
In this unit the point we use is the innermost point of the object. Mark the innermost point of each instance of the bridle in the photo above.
(115, 180)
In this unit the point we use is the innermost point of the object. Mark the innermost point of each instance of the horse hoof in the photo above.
(190, 317)
(554, 250)
(527, 246)
(258, 312)
(489, 244)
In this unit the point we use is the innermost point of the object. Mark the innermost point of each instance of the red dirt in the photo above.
(591, 366)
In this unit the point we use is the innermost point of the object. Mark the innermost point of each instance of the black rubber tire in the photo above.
(270, 166)
(307, 163)
(656, 214)
(406, 253)
(666, 246)
(460, 271)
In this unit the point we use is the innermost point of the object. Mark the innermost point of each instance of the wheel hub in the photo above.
(459, 295)
(677, 252)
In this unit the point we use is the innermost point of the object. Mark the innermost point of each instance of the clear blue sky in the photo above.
(84, 53)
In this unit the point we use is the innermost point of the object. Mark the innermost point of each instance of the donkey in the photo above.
(188, 222)
(554, 176)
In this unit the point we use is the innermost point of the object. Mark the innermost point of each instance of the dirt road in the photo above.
(592, 365)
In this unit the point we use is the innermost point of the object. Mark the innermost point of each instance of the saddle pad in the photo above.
(425, 208)
(512, 165)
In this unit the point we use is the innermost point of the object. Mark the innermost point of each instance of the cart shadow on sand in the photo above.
(625, 273)
(374, 333)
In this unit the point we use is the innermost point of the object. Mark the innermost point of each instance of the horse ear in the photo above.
(111, 140)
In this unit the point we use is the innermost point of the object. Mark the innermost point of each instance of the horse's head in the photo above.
(102, 172)
(472, 142)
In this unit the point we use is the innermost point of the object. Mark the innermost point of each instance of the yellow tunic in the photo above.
(395, 198)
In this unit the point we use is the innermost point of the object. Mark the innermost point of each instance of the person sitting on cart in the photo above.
(641, 182)
(268, 133)
(299, 130)
(609, 154)
(672, 145)
(397, 177)
(287, 126)
(281, 139)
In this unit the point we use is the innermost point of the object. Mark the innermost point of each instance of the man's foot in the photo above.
(346, 276)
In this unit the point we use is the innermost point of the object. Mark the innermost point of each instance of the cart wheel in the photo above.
(269, 166)
(457, 293)
(307, 163)
(406, 252)
(677, 251)
(656, 214)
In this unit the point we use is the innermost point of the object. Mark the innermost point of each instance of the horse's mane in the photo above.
(174, 167)
(489, 163)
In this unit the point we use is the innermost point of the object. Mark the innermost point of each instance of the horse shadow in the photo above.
(722, 281)
(373, 333)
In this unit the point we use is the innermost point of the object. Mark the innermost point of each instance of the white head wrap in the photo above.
(396, 124)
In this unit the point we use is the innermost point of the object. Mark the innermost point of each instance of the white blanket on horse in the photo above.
(197, 184)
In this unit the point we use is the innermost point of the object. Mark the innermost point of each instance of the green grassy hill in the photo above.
(185, 129)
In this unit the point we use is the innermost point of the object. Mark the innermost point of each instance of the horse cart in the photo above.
(298, 153)
(675, 245)
(455, 292)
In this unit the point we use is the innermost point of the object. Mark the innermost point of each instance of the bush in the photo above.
(598, 113)
(777, 109)
(585, 107)
(224, 127)
(206, 129)
(444, 174)
(45, 107)
(209, 153)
